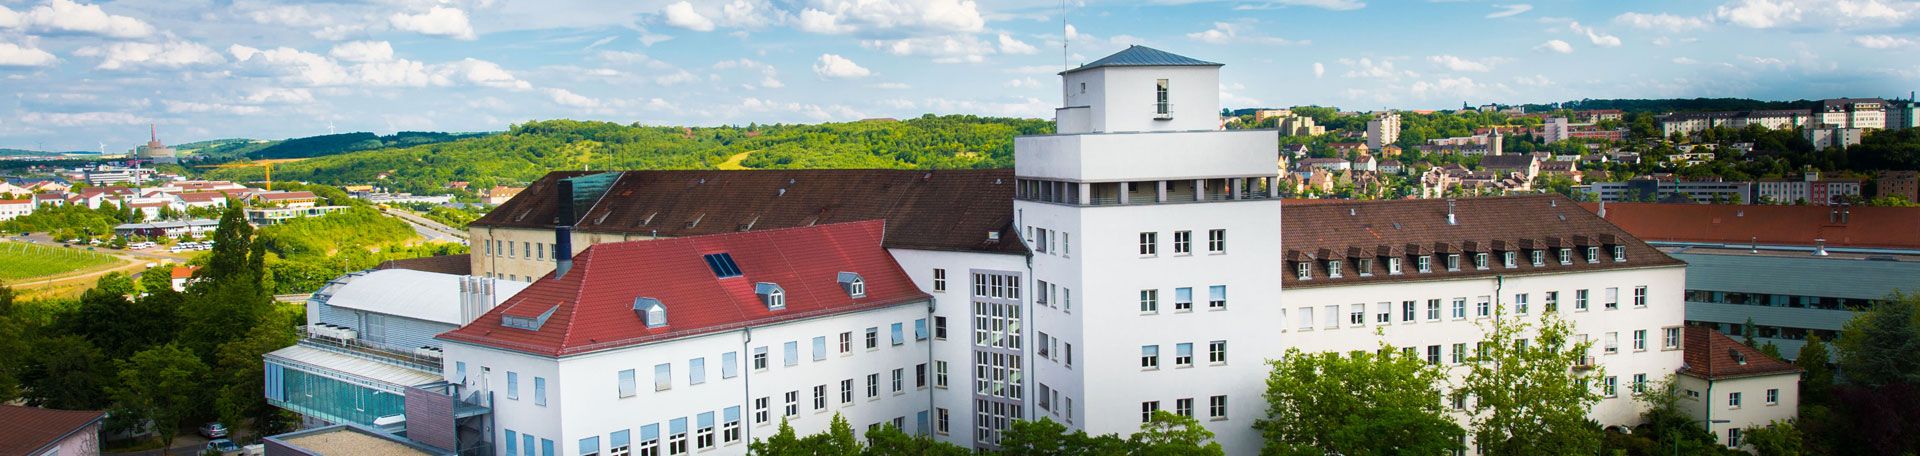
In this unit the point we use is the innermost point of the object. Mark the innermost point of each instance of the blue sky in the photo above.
(82, 73)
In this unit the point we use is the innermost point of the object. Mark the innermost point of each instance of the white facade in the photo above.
(1384, 129)
(1728, 407)
(9, 209)
(1555, 130)
(1117, 99)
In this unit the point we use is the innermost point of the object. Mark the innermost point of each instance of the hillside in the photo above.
(324, 145)
(530, 150)
(218, 149)
(5, 152)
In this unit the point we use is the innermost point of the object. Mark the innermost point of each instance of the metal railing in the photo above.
(362, 349)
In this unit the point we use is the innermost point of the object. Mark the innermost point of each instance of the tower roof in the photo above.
(1137, 55)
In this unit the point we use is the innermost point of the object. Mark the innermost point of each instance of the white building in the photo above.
(1730, 387)
(1851, 113)
(1695, 122)
(1384, 129)
(1841, 137)
(1555, 130)
(1809, 189)
(9, 209)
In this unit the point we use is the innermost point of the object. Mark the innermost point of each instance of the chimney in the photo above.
(1820, 247)
(563, 230)
(1450, 219)
(1603, 208)
(1755, 245)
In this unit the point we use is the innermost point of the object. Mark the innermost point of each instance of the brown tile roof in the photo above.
(1712, 356)
(1377, 230)
(1771, 224)
(460, 264)
(950, 210)
(31, 430)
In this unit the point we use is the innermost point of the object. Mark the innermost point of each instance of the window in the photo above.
(1393, 266)
(760, 410)
(730, 427)
(793, 403)
(1619, 253)
(1149, 356)
(677, 436)
(899, 333)
(940, 374)
(873, 386)
(1217, 297)
(512, 438)
(1182, 299)
(939, 279)
(1539, 257)
(899, 380)
(1066, 245)
(703, 433)
(729, 365)
(626, 383)
(846, 342)
(1773, 396)
(1580, 300)
(1364, 266)
(1146, 410)
(1217, 352)
(920, 329)
(620, 443)
(1480, 260)
(1593, 254)
(873, 338)
(1302, 270)
(1510, 259)
(1068, 352)
(1424, 263)
(662, 377)
(1459, 353)
(1182, 242)
(1639, 340)
(790, 353)
(1459, 308)
(1639, 296)
(1384, 314)
(1520, 303)
(513, 385)
(1612, 342)
(1453, 262)
(1408, 311)
(1331, 316)
(1149, 301)
(1613, 298)
(1333, 269)
(1433, 355)
(941, 421)
(540, 391)
(1733, 438)
(1433, 310)
(759, 358)
(1607, 387)
(1217, 407)
(1671, 339)
(1357, 314)
(920, 375)
(1183, 407)
(1161, 106)
(1483, 307)
(1552, 302)
(1639, 384)
(939, 328)
(846, 391)
(1183, 355)
(1566, 256)
(819, 397)
(1149, 244)
(1306, 318)
(1733, 400)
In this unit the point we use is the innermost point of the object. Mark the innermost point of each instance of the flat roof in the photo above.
(352, 440)
(420, 295)
(353, 365)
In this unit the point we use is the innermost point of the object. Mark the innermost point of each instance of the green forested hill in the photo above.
(530, 150)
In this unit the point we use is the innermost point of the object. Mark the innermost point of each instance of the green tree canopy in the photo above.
(1356, 403)
(1877, 347)
(1530, 398)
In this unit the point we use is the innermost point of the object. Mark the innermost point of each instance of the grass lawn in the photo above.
(22, 261)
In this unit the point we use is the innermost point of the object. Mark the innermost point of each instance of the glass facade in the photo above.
(329, 398)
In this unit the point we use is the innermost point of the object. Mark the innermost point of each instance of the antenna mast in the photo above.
(1065, 57)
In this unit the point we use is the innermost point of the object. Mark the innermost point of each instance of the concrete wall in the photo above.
(1122, 98)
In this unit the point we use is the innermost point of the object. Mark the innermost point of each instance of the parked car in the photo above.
(213, 430)
(222, 446)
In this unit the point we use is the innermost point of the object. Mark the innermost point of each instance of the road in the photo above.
(432, 230)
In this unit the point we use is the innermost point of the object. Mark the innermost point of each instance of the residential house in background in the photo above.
(1694, 122)
(1383, 130)
(11, 208)
(1664, 188)
(1523, 166)
(1904, 184)
(1730, 387)
(500, 194)
(34, 431)
(1811, 188)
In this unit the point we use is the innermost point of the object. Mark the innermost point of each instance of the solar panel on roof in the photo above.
(722, 265)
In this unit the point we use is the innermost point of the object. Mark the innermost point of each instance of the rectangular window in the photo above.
(1217, 352)
(759, 358)
(846, 342)
(540, 391)
(846, 391)
(1733, 438)
(1639, 384)
(939, 329)
(513, 385)
(1364, 266)
(1217, 297)
(1773, 396)
(1331, 316)
(697, 371)
(820, 348)
(899, 380)
(1480, 260)
(1433, 310)
(1613, 298)
(873, 338)
(1566, 256)
(760, 410)
(1357, 314)
(1149, 301)
(1483, 307)
(939, 279)
(730, 425)
(1302, 270)
(1182, 242)
(1183, 355)
(626, 383)
(920, 329)
(1612, 342)
(1182, 299)
(1306, 318)
(1733, 400)
(1619, 253)
(940, 374)
(1149, 244)
(513, 439)
(1459, 353)
(1453, 262)
(1608, 385)
(819, 397)
(942, 421)
(1433, 355)
(1162, 107)
(1408, 311)
(1580, 300)
(899, 333)
(1383, 313)
(1459, 308)
(1639, 340)
(1217, 407)
(1520, 303)
(1183, 407)
(1333, 269)
(1671, 339)
(1639, 296)
(1393, 266)
(1147, 409)
(1424, 263)
(920, 375)
(790, 353)
(729, 365)
(1539, 257)
(793, 404)
(1216, 241)
(662, 377)
(1593, 254)
(1551, 303)
(1149, 356)
(873, 386)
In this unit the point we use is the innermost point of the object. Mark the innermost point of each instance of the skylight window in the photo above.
(722, 265)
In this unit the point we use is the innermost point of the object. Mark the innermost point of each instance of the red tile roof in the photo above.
(286, 195)
(30, 430)
(1710, 355)
(1771, 224)
(592, 306)
(202, 197)
(1348, 230)
(949, 210)
(184, 272)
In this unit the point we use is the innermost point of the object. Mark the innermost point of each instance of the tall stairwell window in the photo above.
(1161, 108)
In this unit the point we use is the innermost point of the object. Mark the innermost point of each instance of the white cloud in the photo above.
(1319, 69)
(675, 77)
(1011, 45)
(1023, 83)
(629, 57)
(81, 119)
(478, 72)
(1762, 60)
(835, 66)
(567, 98)
(892, 86)
(681, 14)
(1464, 64)
(1885, 41)
(14, 55)
(944, 49)
(1538, 80)
(822, 22)
(1816, 13)
(74, 17)
(1661, 21)
(295, 65)
(1224, 33)
(1336, 5)
(171, 54)
(363, 51)
(195, 107)
(770, 77)
(437, 21)
(1461, 87)
(1556, 46)
(1509, 10)
(1365, 67)
(1598, 38)
(933, 15)
(279, 95)
(1685, 61)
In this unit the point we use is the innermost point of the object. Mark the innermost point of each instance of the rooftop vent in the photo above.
(1820, 247)
(1738, 357)
(722, 265)
(650, 311)
(853, 284)
(528, 323)
(1450, 219)
(771, 295)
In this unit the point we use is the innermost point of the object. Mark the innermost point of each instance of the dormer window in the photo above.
(528, 323)
(1333, 269)
(1619, 253)
(1566, 256)
(771, 295)
(853, 284)
(1480, 260)
(1593, 254)
(1425, 263)
(1393, 266)
(1303, 270)
(650, 311)
(1453, 262)
(1509, 258)
(1539, 257)
(1365, 266)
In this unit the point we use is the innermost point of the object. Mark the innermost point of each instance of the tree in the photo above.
(1877, 346)
(1548, 415)
(782, 442)
(13, 334)
(67, 372)
(1817, 381)
(1779, 438)
(231, 242)
(239, 370)
(1356, 403)
(889, 440)
(1047, 438)
(1668, 426)
(114, 324)
(162, 384)
(837, 441)
(1170, 434)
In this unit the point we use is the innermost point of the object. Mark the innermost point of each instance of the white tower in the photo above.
(1156, 239)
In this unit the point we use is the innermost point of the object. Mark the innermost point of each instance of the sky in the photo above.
(92, 74)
